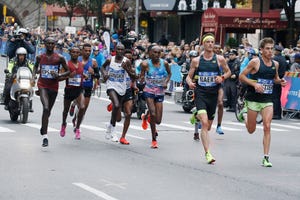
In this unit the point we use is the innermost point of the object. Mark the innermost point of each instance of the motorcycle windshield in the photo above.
(24, 73)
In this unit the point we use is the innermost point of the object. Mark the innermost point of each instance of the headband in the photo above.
(208, 37)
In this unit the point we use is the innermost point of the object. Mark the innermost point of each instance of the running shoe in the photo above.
(45, 142)
(210, 159)
(196, 136)
(219, 130)
(266, 162)
(77, 134)
(72, 109)
(154, 145)
(109, 107)
(109, 128)
(114, 138)
(148, 119)
(144, 122)
(193, 119)
(124, 141)
(240, 115)
(63, 130)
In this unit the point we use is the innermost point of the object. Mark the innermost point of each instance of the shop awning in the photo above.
(214, 18)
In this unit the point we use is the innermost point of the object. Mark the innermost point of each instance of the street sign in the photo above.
(70, 29)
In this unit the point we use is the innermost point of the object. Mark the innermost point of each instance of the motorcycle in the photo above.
(21, 94)
(183, 95)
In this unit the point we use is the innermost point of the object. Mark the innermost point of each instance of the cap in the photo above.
(233, 51)
(297, 56)
(278, 48)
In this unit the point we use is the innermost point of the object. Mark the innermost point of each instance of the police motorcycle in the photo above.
(184, 96)
(21, 90)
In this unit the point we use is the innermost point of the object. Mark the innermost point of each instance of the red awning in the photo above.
(214, 18)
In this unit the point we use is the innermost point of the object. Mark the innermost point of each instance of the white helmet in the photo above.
(22, 51)
(23, 30)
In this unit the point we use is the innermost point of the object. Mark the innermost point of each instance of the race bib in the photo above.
(116, 75)
(207, 79)
(86, 73)
(267, 85)
(157, 81)
(47, 70)
(75, 81)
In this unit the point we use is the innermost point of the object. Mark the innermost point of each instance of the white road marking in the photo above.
(296, 126)
(223, 127)
(186, 128)
(259, 126)
(6, 130)
(95, 128)
(94, 191)
(38, 126)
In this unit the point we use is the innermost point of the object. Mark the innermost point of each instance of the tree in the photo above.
(289, 8)
(87, 7)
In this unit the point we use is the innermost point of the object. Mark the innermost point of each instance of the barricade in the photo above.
(290, 96)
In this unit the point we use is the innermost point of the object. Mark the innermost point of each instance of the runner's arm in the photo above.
(192, 70)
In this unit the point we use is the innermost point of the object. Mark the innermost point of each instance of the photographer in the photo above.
(19, 40)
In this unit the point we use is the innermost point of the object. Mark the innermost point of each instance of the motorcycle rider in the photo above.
(13, 66)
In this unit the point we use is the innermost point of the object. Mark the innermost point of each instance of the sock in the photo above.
(45, 136)
(218, 125)
(196, 127)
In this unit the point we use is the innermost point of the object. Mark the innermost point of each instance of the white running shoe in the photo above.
(109, 128)
(114, 138)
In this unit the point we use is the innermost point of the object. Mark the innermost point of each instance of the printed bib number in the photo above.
(86, 73)
(116, 75)
(48, 70)
(157, 81)
(207, 79)
(75, 81)
(267, 85)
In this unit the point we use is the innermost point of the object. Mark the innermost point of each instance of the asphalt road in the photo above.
(95, 168)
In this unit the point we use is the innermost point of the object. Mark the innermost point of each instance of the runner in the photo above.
(73, 91)
(119, 67)
(48, 65)
(207, 67)
(128, 100)
(220, 104)
(155, 73)
(90, 71)
(263, 74)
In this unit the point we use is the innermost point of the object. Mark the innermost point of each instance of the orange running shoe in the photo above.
(124, 141)
(154, 145)
(144, 122)
(109, 107)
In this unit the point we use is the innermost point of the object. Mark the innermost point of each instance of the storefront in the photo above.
(176, 19)
(221, 21)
